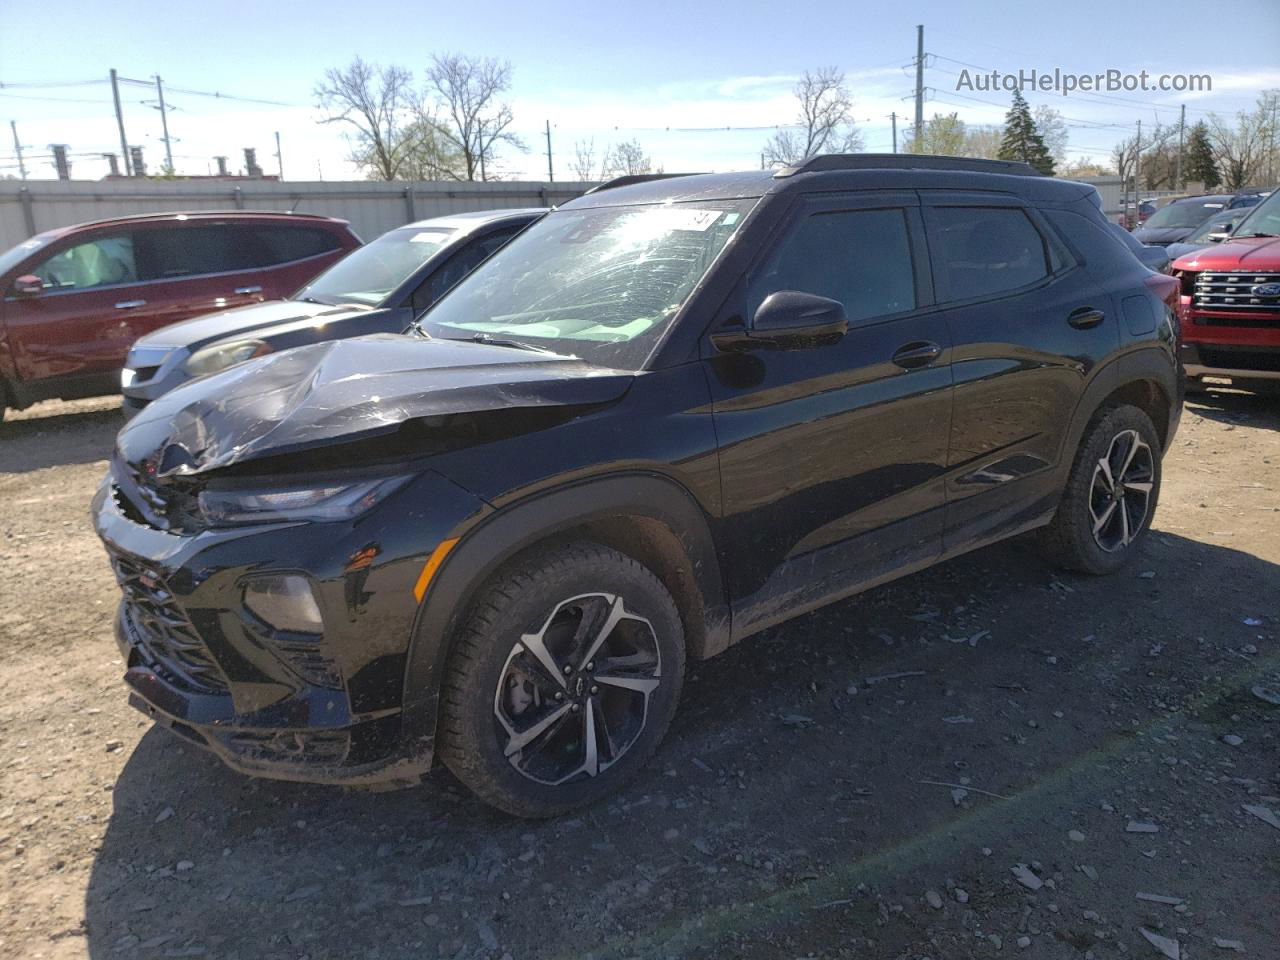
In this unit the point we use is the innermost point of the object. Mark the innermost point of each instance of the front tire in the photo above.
(1110, 497)
(563, 680)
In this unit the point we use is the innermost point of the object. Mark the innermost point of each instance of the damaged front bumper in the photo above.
(324, 708)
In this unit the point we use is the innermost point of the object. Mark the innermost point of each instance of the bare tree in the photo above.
(376, 102)
(473, 116)
(584, 159)
(1242, 150)
(1053, 130)
(825, 122)
(983, 142)
(626, 159)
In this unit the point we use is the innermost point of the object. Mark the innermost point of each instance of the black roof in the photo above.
(838, 172)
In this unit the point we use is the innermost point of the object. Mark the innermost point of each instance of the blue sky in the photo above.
(608, 73)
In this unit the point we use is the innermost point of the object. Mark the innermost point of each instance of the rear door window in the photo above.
(101, 262)
(175, 252)
(985, 251)
(860, 257)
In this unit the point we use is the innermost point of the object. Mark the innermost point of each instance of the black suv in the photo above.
(669, 415)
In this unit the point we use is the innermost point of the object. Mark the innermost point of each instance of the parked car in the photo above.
(1175, 221)
(1215, 229)
(667, 416)
(75, 298)
(1145, 209)
(378, 288)
(1230, 304)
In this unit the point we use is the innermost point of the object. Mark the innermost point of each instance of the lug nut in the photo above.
(576, 707)
(591, 665)
(595, 690)
(559, 695)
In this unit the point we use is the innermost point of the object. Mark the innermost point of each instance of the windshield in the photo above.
(1218, 223)
(369, 273)
(15, 255)
(1262, 220)
(602, 284)
(1184, 214)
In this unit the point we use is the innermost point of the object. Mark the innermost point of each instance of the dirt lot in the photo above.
(786, 815)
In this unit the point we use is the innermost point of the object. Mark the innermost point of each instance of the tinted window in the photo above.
(983, 251)
(281, 244)
(100, 262)
(440, 282)
(369, 273)
(191, 251)
(860, 257)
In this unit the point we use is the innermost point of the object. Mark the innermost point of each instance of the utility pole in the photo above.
(279, 158)
(1271, 167)
(124, 143)
(17, 149)
(481, 141)
(1137, 166)
(164, 125)
(920, 83)
(894, 118)
(1182, 122)
(551, 173)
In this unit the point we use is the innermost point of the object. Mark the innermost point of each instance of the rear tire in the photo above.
(563, 680)
(1110, 497)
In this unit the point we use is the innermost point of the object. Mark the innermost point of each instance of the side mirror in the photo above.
(28, 285)
(1155, 258)
(788, 320)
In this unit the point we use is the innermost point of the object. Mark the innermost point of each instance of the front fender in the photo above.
(497, 538)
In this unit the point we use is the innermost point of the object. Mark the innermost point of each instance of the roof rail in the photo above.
(631, 178)
(907, 161)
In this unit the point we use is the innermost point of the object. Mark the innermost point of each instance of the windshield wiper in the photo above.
(493, 341)
(1255, 234)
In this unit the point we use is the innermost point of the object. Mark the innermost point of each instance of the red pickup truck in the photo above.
(72, 300)
(1230, 304)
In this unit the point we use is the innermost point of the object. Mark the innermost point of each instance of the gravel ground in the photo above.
(1091, 743)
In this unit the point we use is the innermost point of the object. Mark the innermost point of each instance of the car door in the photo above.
(832, 457)
(76, 326)
(1027, 327)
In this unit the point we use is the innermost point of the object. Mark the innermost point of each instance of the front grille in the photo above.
(161, 631)
(1228, 359)
(1236, 292)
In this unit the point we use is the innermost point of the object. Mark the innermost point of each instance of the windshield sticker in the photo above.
(677, 218)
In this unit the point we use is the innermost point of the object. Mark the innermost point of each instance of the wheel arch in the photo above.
(649, 517)
(1147, 379)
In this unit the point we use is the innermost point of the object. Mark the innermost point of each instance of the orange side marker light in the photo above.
(431, 566)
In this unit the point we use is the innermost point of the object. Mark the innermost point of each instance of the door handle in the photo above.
(917, 353)
(130, 304)
(1082, 318)
(245, 291)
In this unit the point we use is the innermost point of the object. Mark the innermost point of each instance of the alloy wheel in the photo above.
(1120, 495)
(573, 696)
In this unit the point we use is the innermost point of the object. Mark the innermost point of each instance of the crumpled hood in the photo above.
(202, 330)
(342, 390)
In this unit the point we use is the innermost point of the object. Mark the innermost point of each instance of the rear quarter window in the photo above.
(283, 243)
(174, 252)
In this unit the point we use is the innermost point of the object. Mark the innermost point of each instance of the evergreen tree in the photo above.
(1199, 163)
(1022, 140)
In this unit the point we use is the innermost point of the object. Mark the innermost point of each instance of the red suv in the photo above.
(75, 298)
(1230, 303)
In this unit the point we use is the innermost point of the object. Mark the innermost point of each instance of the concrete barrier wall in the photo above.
(31, 206)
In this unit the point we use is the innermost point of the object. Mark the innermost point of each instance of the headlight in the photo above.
(338, 501)
(222, 355)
